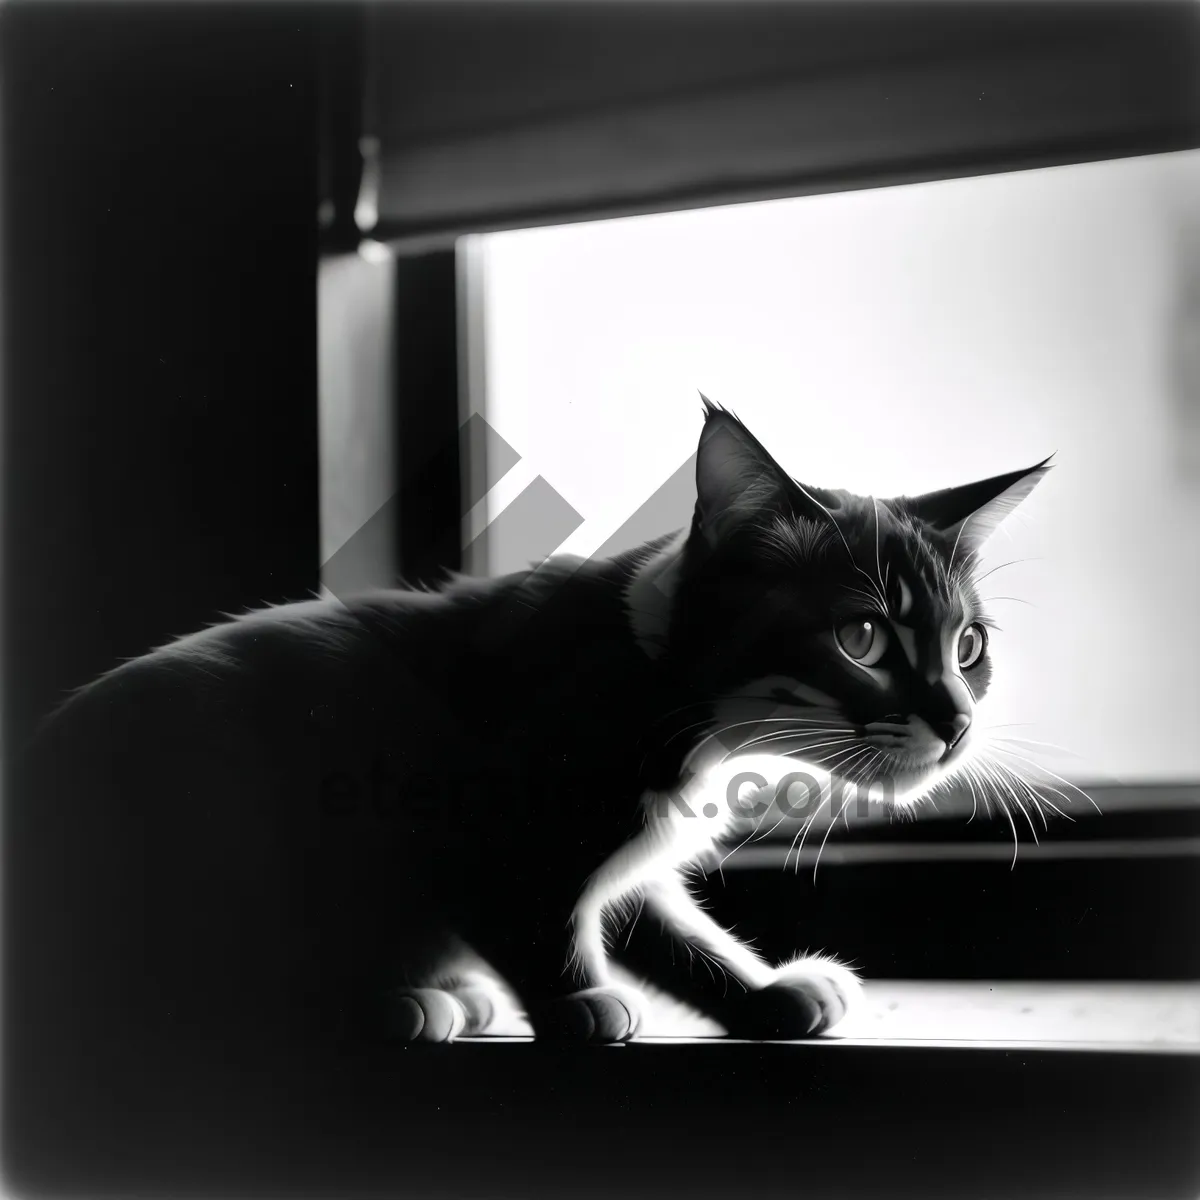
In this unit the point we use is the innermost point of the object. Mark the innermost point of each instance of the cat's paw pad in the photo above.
(807, 997)
(425, 1015)
(602, 1014)
(480, 1007)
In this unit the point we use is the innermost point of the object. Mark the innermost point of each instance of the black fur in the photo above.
(250, 836)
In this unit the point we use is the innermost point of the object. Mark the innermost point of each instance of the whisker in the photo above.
(990, 773)
(688, 729)
(750, 836)
(1021, 783)
(828, 831)
(794, 731)
(1054, 775)
(708, 720)
(1049, 787)
(985, 795)
(782, 815)
(768, 738)
(1044, 745)
(1011, 563)
(1016, 840)
(636, 916)
(808, 824)
(1017, 801)
(969, 777)
(1005, 776)
(718, 733)
(798, 723)
(802, 833)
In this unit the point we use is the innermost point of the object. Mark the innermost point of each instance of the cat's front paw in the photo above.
(424, 1015)
(806, 997)
(602, 1014)
(481, 1006)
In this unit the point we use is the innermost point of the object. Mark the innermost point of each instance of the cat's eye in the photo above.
(971, 646)
(862, 639)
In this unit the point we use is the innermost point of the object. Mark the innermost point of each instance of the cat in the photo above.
(410, 813)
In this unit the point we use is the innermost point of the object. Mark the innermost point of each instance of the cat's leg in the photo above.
(605, 1008)
(697, 960)
(536, 965)
(560, 969)
(565, 996)
(792, 1001)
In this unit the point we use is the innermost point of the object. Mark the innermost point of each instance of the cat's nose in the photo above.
(951, 732)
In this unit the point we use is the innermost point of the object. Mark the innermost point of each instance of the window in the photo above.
(891, 341)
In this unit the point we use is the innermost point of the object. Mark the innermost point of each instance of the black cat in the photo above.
(332, 817)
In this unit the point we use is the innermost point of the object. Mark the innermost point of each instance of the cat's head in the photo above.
(846, 631)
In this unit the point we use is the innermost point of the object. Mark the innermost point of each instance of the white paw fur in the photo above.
(612, 1013)
(835, 987)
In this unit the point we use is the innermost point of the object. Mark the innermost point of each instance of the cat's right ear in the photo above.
(970, 514)
(737, 481)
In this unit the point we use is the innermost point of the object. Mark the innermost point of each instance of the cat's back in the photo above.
(223, 739)
(268, 664)
(290, 687)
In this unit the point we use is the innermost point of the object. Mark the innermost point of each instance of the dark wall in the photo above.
(159, 263)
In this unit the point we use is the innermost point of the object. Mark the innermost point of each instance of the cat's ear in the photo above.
(971, 514)
(737, 481)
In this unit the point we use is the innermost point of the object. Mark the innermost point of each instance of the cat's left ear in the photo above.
(736, 479)
(971, 514)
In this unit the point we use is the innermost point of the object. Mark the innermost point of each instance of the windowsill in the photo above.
(1104, 1017)
(1144, 1016)
(910, 1112)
